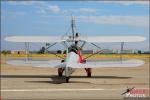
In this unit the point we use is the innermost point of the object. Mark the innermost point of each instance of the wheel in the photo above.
(60, 72)
(88, 74)
(67, 79)
(88, 71)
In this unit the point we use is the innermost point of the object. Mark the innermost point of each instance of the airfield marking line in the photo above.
(51, 90)
(28, 90)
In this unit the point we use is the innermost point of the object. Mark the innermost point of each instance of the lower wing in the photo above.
(107, 64)
(37, 63)
(91, 64)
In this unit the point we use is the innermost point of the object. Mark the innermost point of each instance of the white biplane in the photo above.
(74, 44)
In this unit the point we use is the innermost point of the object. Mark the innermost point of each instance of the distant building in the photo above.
(95, 51)
(19, 52)
(55, 51)
(125, 51)
(107, 51)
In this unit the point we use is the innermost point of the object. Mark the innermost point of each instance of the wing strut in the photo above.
(96, 45)
(121, 51)
(65, 44)
(51, 45)
(53, 53)
(100, 51)
(83, 44)
(27, 50)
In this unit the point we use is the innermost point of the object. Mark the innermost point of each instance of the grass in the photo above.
(85, 55)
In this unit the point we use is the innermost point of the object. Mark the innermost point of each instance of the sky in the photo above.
(106, 18)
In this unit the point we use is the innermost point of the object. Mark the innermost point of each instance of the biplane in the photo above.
(74, 44)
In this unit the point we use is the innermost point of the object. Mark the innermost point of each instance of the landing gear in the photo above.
(67, 79)
(60, 72)
(88, 71)
(88, 74)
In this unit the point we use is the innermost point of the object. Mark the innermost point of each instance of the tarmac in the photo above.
(43, 83)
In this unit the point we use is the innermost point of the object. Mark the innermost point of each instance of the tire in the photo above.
(88, 74)
(59, 74)
(67, 79)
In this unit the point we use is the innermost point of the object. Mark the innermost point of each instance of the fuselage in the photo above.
(73, 56)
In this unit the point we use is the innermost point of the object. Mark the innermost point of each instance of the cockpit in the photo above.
(73, 48)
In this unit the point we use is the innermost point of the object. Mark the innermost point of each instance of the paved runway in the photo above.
(43, 83)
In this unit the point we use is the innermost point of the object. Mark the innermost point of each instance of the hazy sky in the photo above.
(92, 18)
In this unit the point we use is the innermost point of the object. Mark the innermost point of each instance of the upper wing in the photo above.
(87, 39)
(34, 39)
(37, 63)
(100, 64)
(113, 38)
